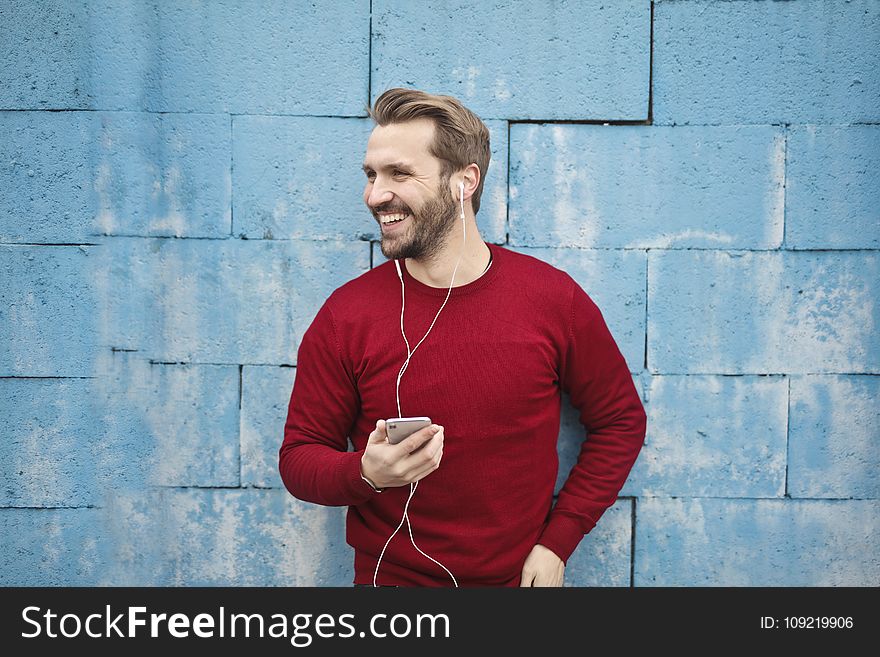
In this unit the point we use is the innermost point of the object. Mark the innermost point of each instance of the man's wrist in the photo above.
(369, 482)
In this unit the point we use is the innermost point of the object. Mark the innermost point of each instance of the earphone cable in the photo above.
(413, 486)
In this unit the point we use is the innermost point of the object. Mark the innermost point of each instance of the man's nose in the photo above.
(379, 195)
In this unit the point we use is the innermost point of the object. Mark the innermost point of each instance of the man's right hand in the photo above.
(388, 465)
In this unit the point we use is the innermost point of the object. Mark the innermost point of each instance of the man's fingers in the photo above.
(541, 579)
(434, 448)
(422, 473)
(542, 568)
(419, 438)
(379, 434)
(426, 467)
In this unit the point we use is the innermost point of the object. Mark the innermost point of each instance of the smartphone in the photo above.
(399, 428)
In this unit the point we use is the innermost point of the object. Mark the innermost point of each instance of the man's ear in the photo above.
(471, 179)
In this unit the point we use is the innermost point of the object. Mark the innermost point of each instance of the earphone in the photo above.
(412, 487)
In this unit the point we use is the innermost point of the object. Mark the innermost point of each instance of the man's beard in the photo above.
(429, 227)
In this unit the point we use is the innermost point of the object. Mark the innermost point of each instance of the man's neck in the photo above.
(437, 272)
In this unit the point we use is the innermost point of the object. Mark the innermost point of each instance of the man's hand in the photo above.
(542, 568)
(388, 465)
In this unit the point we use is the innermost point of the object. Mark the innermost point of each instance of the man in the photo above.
(486, 357)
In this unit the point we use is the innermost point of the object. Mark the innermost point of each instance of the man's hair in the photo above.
(460, 137)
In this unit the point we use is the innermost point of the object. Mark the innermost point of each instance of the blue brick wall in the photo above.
(180, 190)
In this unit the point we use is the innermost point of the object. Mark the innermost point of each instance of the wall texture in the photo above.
(180, 190)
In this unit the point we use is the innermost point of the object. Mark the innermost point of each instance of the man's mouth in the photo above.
(391, 219)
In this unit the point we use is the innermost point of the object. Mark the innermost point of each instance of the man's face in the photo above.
(403, 180)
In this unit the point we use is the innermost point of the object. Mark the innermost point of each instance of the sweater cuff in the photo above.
(561, 535)
(358, 490)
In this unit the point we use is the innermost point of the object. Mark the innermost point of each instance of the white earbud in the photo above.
(461, 197)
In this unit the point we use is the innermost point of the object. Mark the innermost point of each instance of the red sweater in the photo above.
(492, 372)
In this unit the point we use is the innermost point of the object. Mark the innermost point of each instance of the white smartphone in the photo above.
(399, 428)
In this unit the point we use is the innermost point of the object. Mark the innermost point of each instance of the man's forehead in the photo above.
(400, 144)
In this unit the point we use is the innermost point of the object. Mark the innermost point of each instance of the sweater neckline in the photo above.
(412, 283)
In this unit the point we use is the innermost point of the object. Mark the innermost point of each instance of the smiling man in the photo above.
(481, 339)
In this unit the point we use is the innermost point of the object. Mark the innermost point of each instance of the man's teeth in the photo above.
(393, 218)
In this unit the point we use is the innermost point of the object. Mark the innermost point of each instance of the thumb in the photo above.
(379, 435)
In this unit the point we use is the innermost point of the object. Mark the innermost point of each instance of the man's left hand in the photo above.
(542, 568)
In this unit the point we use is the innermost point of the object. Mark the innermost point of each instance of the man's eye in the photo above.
(400, 173)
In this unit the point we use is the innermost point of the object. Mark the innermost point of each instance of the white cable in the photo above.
(403, 305)
(413, 541)
(409, 354)
(402, 519)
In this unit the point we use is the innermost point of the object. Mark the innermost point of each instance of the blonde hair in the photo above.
(460, 137)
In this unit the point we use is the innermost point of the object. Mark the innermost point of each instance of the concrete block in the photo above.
(833, 437)
(719, 436)
(766, 62)
(291, 58)
(300, 178)
(615, 280)
(604, 555)
(245, 537)
(763, 312)
(717, 542)
(531, 60)
(217, 57)
(189, 420)
(832, 187)
(52, 547)
(163, 174)
(46, 175)
(647, 186)
(47, 310)
(59, 449)
(45, 59)
(174, 537)
(265, 396)
(218, 301)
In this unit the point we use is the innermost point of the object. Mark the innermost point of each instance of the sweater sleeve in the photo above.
(314, 463)
(597, 379)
